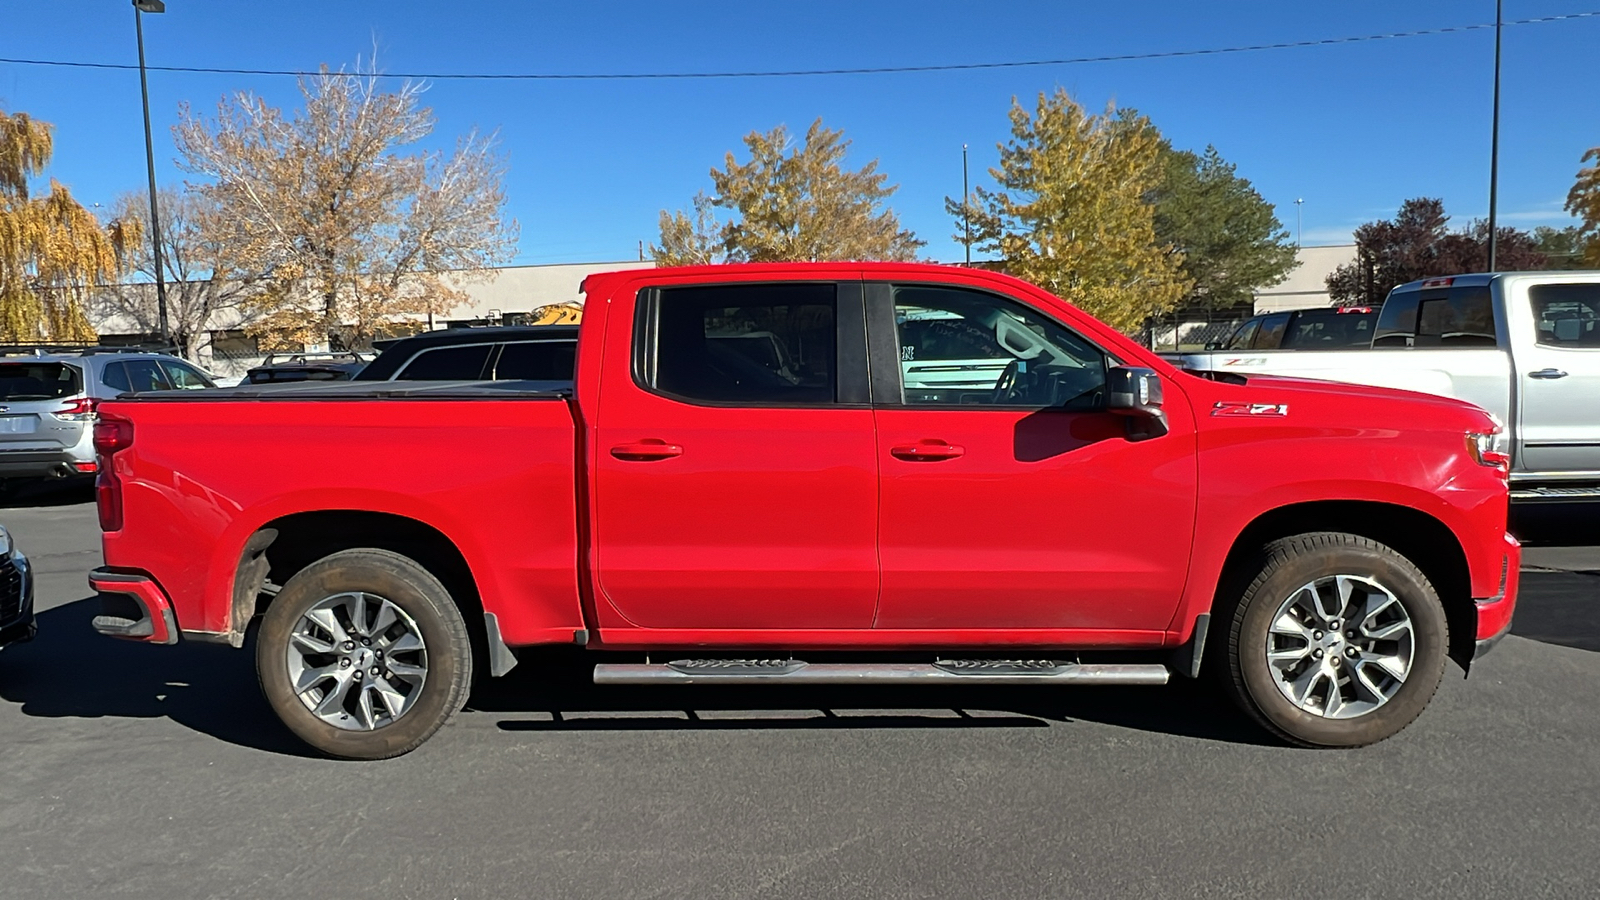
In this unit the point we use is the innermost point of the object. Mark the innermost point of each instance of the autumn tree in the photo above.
(1418, 243)
(53, 251)
(343, 222)
(1073, 212)
(1227, 235)
(202, 280)
(788, 203)
(1583, 201)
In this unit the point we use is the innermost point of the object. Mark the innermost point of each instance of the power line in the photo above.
(794, 73)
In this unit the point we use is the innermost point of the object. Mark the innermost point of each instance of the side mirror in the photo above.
(1135, 392)
(1214, 345)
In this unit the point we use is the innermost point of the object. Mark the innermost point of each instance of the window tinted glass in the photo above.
(1567, 315)
(144, 375)
(746, 343)
(1271, 335)
(537, 361)
(1397, 321)
(115, 377)
(1240, 340)
(1324, 331)
(1462, 317)
(184, 378)
(447, 364)
(38, 381)
(960, 347)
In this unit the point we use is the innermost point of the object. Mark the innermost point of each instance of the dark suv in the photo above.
(1337, 328)
(494, 353)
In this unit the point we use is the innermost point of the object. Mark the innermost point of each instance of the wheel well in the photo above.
(303, 538)
(1417, 536)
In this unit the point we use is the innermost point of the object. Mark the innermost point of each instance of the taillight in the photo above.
(111, 434)
(78, 410)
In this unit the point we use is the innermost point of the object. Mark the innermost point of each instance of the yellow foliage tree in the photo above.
(790, 204)
(1073, 213)
(1583, 201)
(53, 251)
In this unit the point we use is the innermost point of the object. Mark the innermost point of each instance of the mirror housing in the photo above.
(1215, 345)
(1135, 392)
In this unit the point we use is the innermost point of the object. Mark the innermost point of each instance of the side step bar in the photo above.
(945, 671)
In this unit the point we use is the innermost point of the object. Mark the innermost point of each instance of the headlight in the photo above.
(5, 541)
(1484, 448)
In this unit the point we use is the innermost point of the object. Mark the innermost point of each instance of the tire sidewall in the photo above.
(1429, 634)
(414, 591)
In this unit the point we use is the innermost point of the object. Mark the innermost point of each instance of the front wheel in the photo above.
(364, 655)
(1337, 641)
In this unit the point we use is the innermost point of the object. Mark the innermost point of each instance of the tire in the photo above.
(357, 603)
(1283, 610)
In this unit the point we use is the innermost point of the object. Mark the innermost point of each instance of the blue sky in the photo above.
(1353, 129)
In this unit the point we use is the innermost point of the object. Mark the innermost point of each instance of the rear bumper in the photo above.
(44, 464)
(133, 607)
(1494, 613)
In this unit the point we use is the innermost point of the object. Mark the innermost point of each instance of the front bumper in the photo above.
(1494, 613)
(133, 607)
(16, 599)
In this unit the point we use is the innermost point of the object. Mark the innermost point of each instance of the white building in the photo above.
(1307, 285)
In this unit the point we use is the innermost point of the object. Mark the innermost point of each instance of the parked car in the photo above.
(48, 397)
(492, 353)
(16, 592)
(1089, 516)
(1524, 346)
(278, 368)
(1332, 328)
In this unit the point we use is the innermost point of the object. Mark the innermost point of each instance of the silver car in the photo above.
(48, 399)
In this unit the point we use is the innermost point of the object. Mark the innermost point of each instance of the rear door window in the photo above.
(1449, 318)
(1271, 335)
(1567, 315)
(447, 364)
(537, 361)
(22, 381)
(145, 375)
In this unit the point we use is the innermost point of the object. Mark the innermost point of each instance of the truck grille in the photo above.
(10, 590)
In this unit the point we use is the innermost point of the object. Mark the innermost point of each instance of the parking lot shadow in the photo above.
(70, 670)
(555, 684)
(47, 493)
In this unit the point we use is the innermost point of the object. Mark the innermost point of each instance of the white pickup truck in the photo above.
(1524, 346)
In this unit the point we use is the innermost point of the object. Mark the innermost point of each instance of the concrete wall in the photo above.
(1307, 285)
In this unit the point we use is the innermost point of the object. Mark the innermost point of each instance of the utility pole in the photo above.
(140, 7)
(1494, 140)
(966, 218)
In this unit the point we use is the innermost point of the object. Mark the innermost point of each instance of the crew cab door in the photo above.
(1558, 370)
(1010, 497)
(735, 470)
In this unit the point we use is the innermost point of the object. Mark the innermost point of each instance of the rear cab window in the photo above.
(1452, 317)
(22, 381)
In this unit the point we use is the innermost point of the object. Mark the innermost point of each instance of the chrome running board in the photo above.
(945, 671)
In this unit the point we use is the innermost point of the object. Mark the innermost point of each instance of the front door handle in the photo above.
(926, 451)
(1547, 373)
(646, 450)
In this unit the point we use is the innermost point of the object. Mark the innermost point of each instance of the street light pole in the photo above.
(1494, 140)
(140, 7)
(1299, 223)
(966, 218)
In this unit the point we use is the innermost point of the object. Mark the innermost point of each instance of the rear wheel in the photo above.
(1337, 641)
(364, 655)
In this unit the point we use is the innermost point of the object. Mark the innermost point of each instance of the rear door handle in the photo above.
(1547, 373)
(926, 451)
(646, 450)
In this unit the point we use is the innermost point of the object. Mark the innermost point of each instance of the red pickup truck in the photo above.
(928, 474)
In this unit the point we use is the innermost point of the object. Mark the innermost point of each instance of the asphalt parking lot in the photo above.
(135, 771)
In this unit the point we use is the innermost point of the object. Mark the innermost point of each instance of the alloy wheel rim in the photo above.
(357, 661)
(1340, 647)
